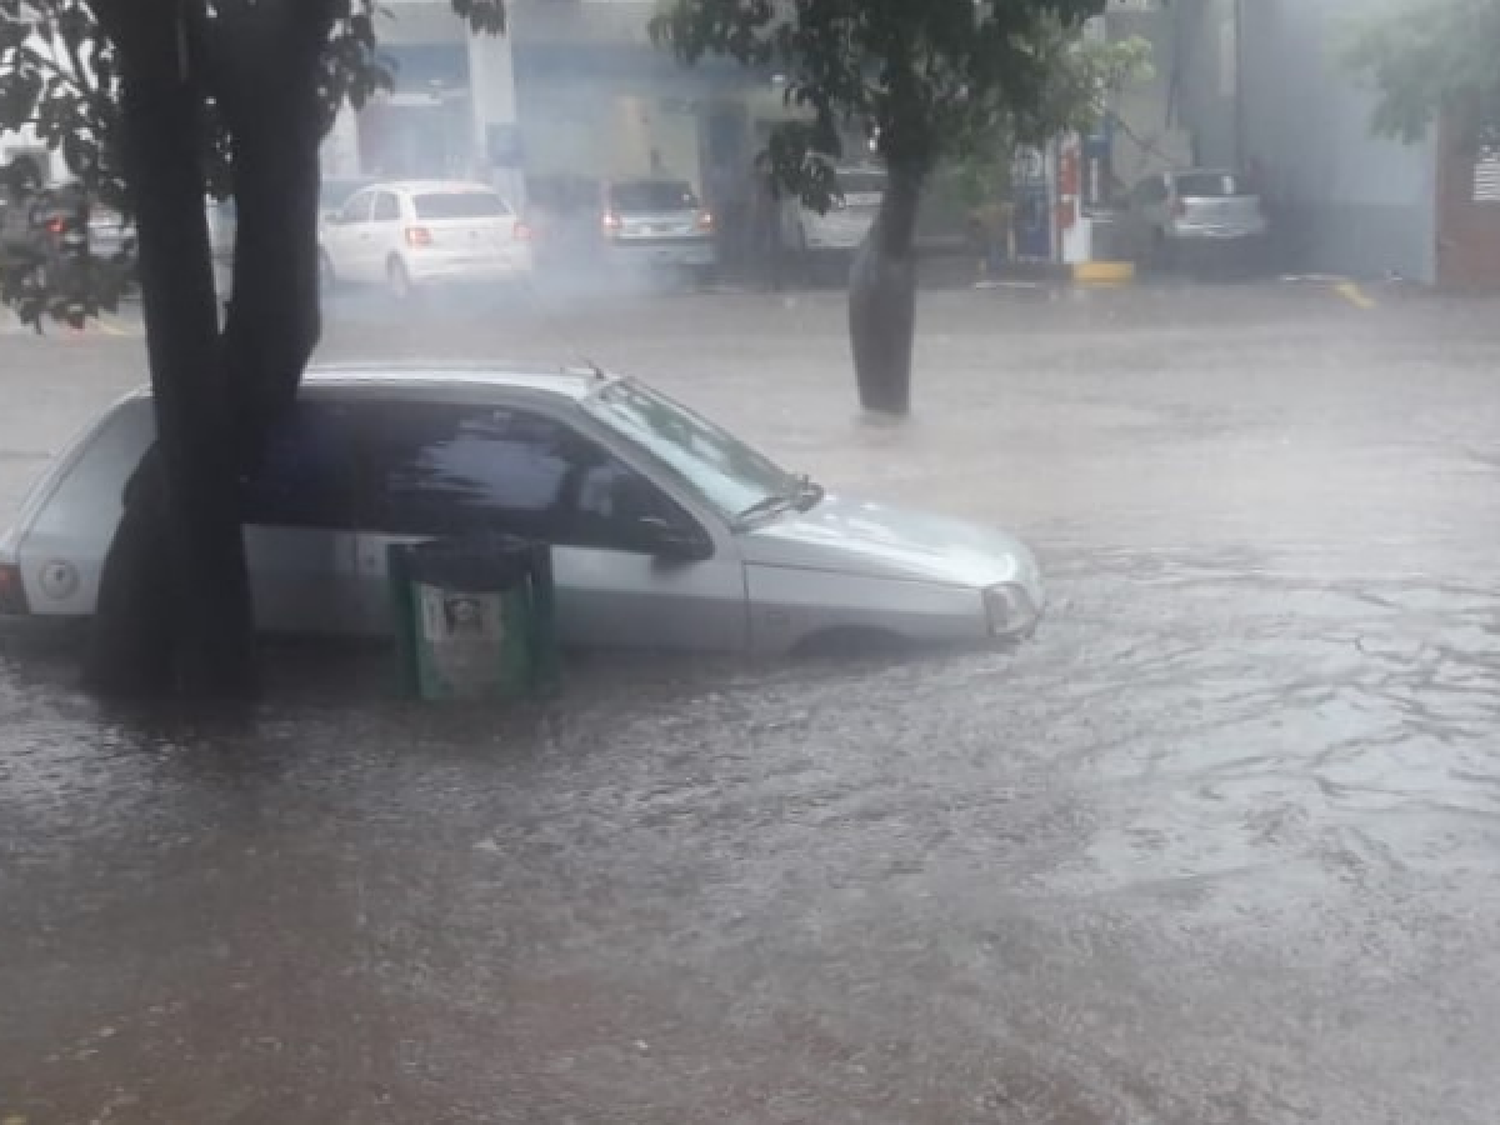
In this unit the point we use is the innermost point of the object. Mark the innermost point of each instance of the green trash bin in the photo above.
(474, 618)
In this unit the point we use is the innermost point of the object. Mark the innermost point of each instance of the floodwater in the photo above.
(1217, 847)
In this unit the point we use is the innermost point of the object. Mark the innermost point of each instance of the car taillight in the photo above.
(611, 223)
(522, 232)
(56, 226)
(705, 220)
(418, 236)
(12, 590)
(1179, 208)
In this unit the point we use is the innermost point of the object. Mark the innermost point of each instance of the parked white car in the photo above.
(841, 230)
(419, 233)
(667, 531)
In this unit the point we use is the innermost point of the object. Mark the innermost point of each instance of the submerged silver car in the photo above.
(668, 532)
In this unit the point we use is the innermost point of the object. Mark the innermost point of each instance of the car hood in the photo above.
(848, 536)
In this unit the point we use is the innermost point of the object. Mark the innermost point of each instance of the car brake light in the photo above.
(522, 232)
(705, 220)
(611, 222)
(56, 226)
(418, 236)
(12, 590)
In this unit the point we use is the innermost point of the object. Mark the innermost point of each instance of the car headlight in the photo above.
(1012, 611)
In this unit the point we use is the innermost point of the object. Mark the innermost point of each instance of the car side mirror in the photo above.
(673, 542)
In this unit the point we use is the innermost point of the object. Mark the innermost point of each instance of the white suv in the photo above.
(410, 234)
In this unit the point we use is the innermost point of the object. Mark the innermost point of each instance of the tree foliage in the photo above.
(1080, 78)
(59, 75)
(1428, 59)
(923, 81)
(60, 79)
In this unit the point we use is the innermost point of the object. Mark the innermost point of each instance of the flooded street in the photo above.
(1217, 848)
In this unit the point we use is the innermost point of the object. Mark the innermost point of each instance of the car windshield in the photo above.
(724, 471)
(1212, 185)
(460, 205)
(653, 195)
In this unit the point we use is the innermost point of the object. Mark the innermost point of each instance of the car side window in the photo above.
(305, 478)
(438, 469)
(357, 210)
(387, 208)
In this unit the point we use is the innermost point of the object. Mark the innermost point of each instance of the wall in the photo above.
(1202, 69)
(597, 99)
(1346, 202)
(1151, 136)
(453, 109)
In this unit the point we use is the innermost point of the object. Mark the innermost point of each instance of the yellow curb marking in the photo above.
(1354, 295)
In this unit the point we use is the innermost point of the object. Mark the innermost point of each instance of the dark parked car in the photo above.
(44, 230)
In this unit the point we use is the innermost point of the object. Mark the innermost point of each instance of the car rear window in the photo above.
(862, 183)
(1212, 185)
(461, 205)
(654, 195)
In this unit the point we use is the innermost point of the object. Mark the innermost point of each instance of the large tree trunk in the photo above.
(174, 605)
(266, 62)
(883, 297)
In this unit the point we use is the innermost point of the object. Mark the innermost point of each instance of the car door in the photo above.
(441, 469)
(386, 233)
(347, 242)
(299, 524)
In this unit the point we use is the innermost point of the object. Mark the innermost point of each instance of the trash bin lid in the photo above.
(476, 564)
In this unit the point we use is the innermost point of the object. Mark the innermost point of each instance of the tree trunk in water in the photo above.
(883, 298)
(174, 604)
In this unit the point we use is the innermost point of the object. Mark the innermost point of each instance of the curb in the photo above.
(1104, 273)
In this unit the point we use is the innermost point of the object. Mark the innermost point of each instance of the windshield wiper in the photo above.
(769, 505)
(804, 495)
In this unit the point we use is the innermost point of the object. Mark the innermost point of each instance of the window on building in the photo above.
(1487, 176)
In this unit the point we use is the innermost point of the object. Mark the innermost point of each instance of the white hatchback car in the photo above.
(407, 235)
(667, 531)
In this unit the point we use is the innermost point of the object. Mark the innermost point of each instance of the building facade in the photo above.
(1347, 202)
(574, 90)
(1259, 85)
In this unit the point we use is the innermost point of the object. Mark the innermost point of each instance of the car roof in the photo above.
(451, 380)
(455, 187)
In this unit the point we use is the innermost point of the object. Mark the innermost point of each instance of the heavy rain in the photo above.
(1209, 843)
